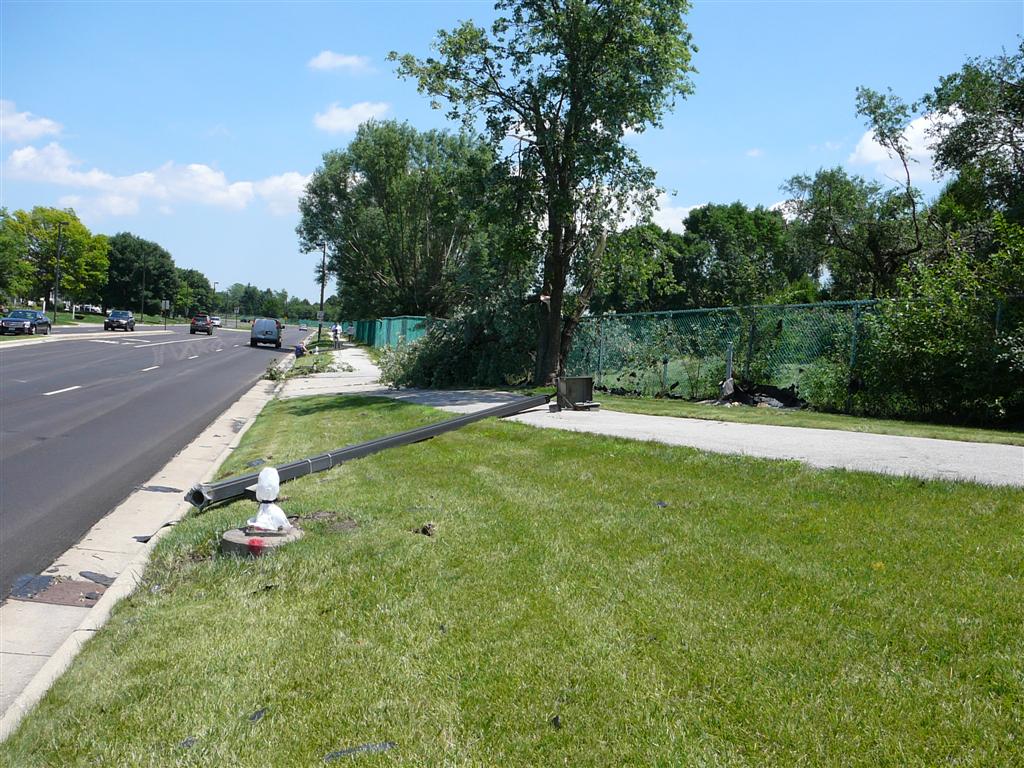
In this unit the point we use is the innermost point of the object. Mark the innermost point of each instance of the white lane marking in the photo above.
(234, 345)
(104, 341)
(144, 341)
(161, 343)
(151, 368)
(193, 357)
(58, 391)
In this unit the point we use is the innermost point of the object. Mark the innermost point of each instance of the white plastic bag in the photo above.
(270, 516)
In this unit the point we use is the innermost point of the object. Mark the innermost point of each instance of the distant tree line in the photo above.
(122, 271)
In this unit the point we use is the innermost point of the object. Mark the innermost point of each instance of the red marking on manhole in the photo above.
(255, 546)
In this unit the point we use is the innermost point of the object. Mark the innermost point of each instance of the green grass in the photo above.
(801, 418)
(670, 608)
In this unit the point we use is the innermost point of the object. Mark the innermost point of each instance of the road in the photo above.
(85, 421)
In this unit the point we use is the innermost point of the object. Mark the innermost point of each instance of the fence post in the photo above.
(600, 352)
(853, 357)
(750, 345)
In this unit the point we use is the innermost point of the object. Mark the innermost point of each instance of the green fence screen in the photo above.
(388, 331)
(685, 353)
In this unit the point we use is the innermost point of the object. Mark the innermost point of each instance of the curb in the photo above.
(127, 581)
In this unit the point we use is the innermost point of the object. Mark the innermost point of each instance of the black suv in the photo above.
(119, 318)
(201, 324)
(25, 321)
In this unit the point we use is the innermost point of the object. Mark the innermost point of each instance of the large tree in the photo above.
(861, 231)
(195, 294)
(979, 133)
(15, 269)
(140, 274)
(567, 78)
(83, 256)
(741, 255)
(399, 211)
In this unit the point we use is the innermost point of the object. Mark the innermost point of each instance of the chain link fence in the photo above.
(685, 353)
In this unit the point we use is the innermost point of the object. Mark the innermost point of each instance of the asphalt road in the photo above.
(83, 422)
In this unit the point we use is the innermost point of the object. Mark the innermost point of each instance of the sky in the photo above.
(197, 124)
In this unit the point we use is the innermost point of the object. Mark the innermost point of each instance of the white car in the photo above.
(215, 321)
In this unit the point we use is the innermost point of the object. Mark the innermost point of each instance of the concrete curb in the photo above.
(130, 577)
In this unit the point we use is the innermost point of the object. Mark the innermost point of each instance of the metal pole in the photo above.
(56, 282)
(323, 282)
(142, 296)
(853, 358)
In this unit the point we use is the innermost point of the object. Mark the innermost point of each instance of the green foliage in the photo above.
(740, 255)
(15, 268)
(944, 347)
(980, 131)
(32, 237)
(861, 232)
(132, 262)
(401, 212)
(566, 79)
(195, 294)
(490, 346)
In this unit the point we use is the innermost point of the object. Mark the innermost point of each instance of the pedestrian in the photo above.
(336, 335)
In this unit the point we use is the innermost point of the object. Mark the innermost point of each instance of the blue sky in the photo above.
(195, 124)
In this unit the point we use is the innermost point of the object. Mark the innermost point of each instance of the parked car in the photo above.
(265, 330)
(215, 321)
(201, 324)
(119, 318)
(30, 321)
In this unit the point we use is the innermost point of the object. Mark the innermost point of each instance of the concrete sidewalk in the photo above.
(988, 463)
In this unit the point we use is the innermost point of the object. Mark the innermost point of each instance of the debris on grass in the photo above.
(556, 722)
(256, 716)
(429, 529)
(188, 742)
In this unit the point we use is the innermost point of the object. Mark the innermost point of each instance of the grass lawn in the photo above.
(802, 418)
(585, 601)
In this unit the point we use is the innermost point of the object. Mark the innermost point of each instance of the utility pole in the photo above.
(142, 298)
(56, 282)
(215, 308)
(323, 282)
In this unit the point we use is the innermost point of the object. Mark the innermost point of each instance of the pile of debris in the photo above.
(763, 395)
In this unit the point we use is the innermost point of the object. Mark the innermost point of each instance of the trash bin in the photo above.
(578, 389)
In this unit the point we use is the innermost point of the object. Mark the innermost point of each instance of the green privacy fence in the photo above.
(388, 331)
(685, 353)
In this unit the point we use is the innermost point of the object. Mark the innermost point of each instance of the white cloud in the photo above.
(282, 192)
(332, 60)
(755, 152)
(669, 216)
(24, 126)
(869, 152)
(170, 183)
(339, 119)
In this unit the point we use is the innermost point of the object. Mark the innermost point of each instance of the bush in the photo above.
(492, 345)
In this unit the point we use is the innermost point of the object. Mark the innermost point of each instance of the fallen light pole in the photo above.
(202, 495)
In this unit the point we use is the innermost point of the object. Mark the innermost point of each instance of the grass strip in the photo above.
(583, 601)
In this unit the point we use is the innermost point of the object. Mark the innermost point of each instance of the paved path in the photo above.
(988, 463)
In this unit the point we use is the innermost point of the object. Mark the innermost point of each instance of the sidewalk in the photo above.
(926, 458)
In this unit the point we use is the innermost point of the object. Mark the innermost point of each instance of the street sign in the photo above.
(320, 315)
(165, 304)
